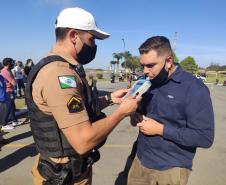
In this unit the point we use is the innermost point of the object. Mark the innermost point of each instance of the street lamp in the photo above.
(124, 48)
(124, 45)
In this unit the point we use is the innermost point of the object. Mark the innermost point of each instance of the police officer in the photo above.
(64, 122)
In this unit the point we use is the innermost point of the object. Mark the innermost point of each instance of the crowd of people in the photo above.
(13, 75)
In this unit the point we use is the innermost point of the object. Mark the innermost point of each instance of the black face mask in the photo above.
(87, 54)
(161, 78)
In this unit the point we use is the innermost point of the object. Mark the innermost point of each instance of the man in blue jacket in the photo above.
(175, 117)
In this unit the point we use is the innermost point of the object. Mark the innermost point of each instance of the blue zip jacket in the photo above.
(2, 89)
(184, 107)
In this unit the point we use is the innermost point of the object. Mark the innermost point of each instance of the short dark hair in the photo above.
(158, 43)
(61, 33)
(20, 63)
(28, 61)
(7, 61)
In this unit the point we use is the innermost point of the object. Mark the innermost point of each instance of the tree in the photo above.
(127, 58)
(189, 64)
(214, 67)
(223, 68)
(113, 64)
(130, 61)
(127, 55)
(118, 57)
(135, 62)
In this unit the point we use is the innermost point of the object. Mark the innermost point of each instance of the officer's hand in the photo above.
(135, 118)
(150, 127)
(118, 95)
(129, 105)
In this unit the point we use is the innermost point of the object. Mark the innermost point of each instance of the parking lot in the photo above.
(16, 158)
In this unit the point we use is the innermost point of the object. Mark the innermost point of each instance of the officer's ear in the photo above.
(73, 34)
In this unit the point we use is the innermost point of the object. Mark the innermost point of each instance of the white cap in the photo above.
(79, 19)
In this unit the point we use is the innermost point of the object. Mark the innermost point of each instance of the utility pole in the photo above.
(124, 48)
(174, 42)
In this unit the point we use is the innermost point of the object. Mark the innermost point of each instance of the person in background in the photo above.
(112, 77)
(121, 76)
(8, 64)
(18, 74)
(174, 118)
(28, 66)
(130, 79)
(2, 105)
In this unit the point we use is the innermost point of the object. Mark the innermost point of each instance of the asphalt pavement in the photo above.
(209, 165)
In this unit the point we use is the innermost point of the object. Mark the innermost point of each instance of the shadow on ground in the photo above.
(20, 136)
(123, 175)
(17, 156)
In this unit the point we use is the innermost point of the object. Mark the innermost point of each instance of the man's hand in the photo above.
(129, 105)
(135, 118)
(150, 127)
(118, 95)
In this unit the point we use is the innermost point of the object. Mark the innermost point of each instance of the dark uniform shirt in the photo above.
(184, 106)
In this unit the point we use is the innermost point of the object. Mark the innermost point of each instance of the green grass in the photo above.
(212, 79)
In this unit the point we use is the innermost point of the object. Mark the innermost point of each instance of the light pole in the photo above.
(124, 45)
(124, 48)
(174, 42)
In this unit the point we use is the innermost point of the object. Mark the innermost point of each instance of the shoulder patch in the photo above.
(67, 81)
(75, 104)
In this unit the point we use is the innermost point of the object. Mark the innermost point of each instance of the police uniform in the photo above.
(57, 91)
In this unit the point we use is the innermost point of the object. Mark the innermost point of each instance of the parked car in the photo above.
(200, 77)
(224, 83)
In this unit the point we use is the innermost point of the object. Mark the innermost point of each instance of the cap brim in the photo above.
(99, 34)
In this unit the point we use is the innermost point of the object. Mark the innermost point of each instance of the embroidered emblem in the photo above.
(170, 96)
(75, 105)
(67, 82)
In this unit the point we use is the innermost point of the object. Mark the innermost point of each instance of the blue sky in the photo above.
(27, 27)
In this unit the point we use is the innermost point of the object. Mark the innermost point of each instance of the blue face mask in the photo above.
(87, 54)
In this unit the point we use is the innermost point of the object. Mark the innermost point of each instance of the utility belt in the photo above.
(66, 174)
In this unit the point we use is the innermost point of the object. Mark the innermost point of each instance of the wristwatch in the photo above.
(108, 98)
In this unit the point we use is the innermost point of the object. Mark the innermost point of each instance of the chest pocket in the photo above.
(169, 106)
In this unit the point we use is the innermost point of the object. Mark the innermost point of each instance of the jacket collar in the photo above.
(176, 76)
